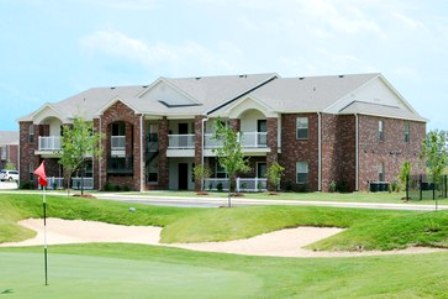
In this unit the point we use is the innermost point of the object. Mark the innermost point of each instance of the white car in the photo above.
(9, 175)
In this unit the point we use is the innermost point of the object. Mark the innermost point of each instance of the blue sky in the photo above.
(53, 49)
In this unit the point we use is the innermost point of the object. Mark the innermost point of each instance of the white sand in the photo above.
(285, 243)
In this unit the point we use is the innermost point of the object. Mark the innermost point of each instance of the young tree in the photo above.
(202, 172)
(435, 153)
(79, 141)
(230, 154)
(405, 172)
(274, 174)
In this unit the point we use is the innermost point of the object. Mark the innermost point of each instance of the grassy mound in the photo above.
(368, 229)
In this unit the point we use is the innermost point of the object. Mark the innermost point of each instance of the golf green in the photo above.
(73, 276)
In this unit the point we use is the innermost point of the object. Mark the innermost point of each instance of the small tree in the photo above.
(405, 172)
(79, 141)
(435, 153)
(274, 174)
(201, 173)
(230, 154)
(10, 166)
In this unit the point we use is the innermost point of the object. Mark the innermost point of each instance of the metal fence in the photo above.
(426, 187)
(242, 184)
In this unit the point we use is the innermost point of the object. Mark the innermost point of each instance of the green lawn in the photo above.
(139, 271)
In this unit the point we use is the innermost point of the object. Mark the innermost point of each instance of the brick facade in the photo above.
(295, 150)
(28, 160)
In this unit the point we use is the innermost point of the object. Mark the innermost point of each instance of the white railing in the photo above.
(211, 142)
(117, 145)
(251, 184)
(247, 140)
(3, 153)
(242, 184)
(55, 183)
(88, 183)
(49, 143)
(181, 141)
(253, 139)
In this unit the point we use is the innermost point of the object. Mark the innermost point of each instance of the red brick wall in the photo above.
(27, 150)
(115, 113)
(393, 151)
(294, 150)
(198, 146)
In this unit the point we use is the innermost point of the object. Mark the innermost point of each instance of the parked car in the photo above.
(9, 175)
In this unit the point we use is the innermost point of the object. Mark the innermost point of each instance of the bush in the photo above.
(332, 187)
(108, 187)
(126, 188)
(29, 185)
(219, 187)
(117, 188)
(342, 186)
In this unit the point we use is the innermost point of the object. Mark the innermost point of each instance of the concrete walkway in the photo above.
(200, 201)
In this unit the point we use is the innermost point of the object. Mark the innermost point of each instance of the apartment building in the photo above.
(9, 148)
(345, 129)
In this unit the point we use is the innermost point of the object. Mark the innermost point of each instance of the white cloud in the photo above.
(177, 59)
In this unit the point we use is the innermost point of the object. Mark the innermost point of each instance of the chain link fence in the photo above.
(419, 187)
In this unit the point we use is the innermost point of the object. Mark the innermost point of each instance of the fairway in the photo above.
(74, 276)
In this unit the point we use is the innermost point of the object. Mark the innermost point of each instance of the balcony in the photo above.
(120, 165)
(247, 140)
(49, 143)
(117, 146)
(181, 141)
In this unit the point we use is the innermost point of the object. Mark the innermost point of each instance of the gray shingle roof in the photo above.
(9, 137)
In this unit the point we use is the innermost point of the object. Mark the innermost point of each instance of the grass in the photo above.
(369, 229)
(367, 197)
(137, 271)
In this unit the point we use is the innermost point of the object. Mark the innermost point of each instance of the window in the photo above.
(407, 132)
(301, 172)
(381, 130)
(220, 171)
(31, 133)
(153, 171)
(381, 174)
(302, 128)
(118, 129)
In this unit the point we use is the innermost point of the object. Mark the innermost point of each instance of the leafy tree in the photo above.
(202, 172)
(274, 174)
(79, 141)
(405, 172)
(10, 166)
(435, 153)
(230, 154)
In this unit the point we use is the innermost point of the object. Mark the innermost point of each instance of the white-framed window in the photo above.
(302, 128)
(381, 174)
(381, 130)
(407, 132)
(302, 172)
(220, 171)
(31, 133)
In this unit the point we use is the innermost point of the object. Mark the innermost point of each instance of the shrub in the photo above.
(332, 186)
(117, 188)
(29, 185)
(108, 187)
(126, 188)
(219, 187)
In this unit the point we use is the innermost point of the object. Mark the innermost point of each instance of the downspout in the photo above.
(356, 152)
(100, 157)
(141, 155)
(319, 151)
(203, 120)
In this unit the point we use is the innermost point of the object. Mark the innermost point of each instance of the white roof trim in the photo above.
(58, 113)
(265, 108)
(171, 85)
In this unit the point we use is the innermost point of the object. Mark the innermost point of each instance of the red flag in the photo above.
(40, 172)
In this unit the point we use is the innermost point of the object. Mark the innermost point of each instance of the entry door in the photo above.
(262, 128)
(261, 170)
(183, 176)
(183, 128)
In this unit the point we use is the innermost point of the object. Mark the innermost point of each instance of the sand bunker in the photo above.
(284, 243)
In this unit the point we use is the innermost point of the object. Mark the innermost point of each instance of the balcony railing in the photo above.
(242, 184)
(247, 140)
(3, 153)
(55, 183)
(49, 143)
(118, 146)
(85, 183)
(120, 165)
(181, 141)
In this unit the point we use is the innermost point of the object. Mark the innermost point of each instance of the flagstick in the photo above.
(44, 202)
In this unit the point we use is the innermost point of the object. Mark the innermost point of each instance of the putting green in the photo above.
(73, 276)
